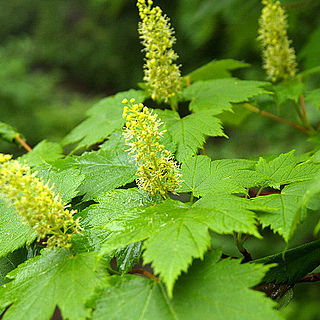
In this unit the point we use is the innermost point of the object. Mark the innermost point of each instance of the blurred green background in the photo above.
(57, 58)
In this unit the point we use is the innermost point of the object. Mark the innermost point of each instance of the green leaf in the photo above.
(292, 264)
(8, 133)
(42, 153)
(200, 175)
(286, 207)
(13, 233)
(190, 132)
(177, 232)
(112, 204)
(10, 262)
(285, 169)
(103, 119)
(128, 256)
(216, 69)
(227, 214)
(56, 278)
(311, 50)
(289, 90)
(218, 95)
(65, 182)
(281, 215)
(314, 97)
(235, 118)
(211, 290)
(104, 170)
(310, 200)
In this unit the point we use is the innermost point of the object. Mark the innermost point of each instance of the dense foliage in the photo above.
(130, 216)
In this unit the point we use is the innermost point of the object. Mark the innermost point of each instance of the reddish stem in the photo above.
(23, 143)
(145, 273)
(312, 277)
(274, 117)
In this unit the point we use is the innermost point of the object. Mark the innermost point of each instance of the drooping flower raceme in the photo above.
(35, 201)
(157, 171)
(278, 57)
(161, 74)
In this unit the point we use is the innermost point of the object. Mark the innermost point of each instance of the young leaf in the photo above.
(210, 290)
(13, 233)
(190, 132)
(103, 118)
(281, 216)
(8, 133)
(216, 69)
(218, 95)
(285, 169)
(200, 175)
(54, 279)
(104, 170)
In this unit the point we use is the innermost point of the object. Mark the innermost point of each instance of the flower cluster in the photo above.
(278, 57)
(161, 74)
(157, 171)
(36, 203)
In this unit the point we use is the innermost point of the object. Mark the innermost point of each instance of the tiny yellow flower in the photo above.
(161, 74)
(156, 169)
(279, 59)
(35, 201)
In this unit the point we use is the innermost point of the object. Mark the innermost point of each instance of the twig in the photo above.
(275, 291)
(311, 277)
(203, 151)
(246, 255)
(274, 117)
(303, 106)
(239, 241)
(23, 143)
(272, 290)
(298, 5)
(145, 273)
(254, 193)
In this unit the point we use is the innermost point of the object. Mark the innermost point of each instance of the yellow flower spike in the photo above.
(4, 157)
(161, 74)
(156, 169)
(279, 59)
(34, 200)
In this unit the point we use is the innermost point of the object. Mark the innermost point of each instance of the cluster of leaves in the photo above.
(128, 233)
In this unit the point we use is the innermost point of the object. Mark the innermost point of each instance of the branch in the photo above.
(246, 255)
(311, 277)
(145, 273)
(274, 117)
(188, 82)
(275, 291)
(303, 106)
(254, 193)
(23, 143)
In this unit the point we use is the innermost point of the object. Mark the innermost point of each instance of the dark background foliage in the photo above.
(58, 57)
